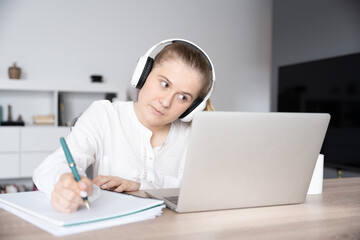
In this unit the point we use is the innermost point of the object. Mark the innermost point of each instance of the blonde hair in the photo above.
(209, 106)
(193, 58)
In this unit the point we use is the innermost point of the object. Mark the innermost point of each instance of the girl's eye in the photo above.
(182, 97)
(164, 84)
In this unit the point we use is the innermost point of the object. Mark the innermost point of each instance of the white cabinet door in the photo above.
(9, 165)
(42, 139)
(29, 161)
(9, 139)
(22, 149)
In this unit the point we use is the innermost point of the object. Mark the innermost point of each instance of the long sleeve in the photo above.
(84, 143)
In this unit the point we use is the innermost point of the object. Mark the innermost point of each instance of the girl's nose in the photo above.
(166, 100)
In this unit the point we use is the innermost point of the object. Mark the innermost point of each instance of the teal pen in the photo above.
(72, 165)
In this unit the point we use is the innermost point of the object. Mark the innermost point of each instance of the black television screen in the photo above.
(331, 86)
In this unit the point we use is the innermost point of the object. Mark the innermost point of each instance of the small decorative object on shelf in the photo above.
(10, 122)
(96, 78)
(14, 72)
(9, 118)
(19, 119)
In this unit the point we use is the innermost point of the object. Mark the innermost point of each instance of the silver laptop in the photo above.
(239, 160)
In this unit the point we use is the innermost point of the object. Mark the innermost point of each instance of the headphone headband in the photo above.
(144, 67)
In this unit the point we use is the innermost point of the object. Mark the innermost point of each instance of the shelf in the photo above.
(29, 98)
(28, 85)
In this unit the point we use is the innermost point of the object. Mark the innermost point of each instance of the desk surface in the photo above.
(335, 214)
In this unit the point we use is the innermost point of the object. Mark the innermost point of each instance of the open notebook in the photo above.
(109, 209)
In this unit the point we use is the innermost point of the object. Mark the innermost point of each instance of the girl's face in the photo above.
(169, 90)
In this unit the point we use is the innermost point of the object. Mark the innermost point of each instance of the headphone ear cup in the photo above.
(190, 109)
(145, 73)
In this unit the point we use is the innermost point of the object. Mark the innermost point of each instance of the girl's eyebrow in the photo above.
(170, 83)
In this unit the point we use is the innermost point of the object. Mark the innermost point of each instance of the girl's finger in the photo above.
(100, 180)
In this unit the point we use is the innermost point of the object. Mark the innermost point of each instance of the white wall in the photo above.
(67, 41)
(305, 30)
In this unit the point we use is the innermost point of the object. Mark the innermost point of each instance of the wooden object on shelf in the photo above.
(44, 119)
(14, 72)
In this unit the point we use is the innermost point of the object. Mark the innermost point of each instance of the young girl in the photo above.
(135, 145)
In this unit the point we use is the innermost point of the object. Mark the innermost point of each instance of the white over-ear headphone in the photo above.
(144, 66)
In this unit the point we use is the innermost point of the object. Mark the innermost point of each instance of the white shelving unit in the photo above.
(23, 148)
(29, 98)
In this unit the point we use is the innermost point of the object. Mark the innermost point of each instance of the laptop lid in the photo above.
(237, 159)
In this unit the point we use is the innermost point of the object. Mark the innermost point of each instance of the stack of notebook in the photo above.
(110, 209)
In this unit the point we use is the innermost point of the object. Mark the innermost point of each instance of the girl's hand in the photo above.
(67, 194)
(116, 184)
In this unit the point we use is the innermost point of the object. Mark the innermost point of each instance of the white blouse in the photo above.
(110, 136)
